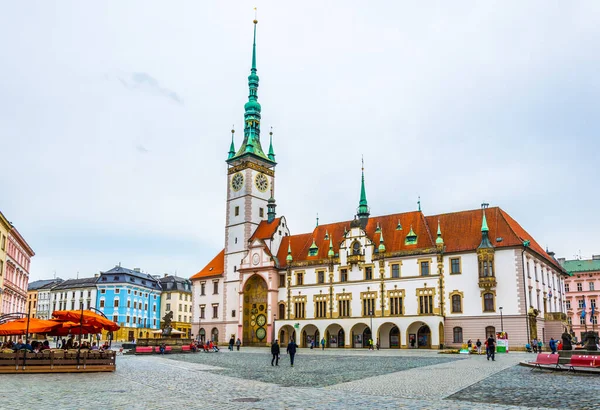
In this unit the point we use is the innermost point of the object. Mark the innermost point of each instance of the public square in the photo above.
(332, 378)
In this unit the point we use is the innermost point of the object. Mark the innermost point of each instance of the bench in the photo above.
(546, 359)
(185, 348)
(143, 349)
(167, 349)
(579, 360)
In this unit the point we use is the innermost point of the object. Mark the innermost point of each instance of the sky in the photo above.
(115, 119)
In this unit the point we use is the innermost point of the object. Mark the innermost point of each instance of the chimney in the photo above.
(137, 270)
(561, 261)
(96, 275)
(596, 257)
(551, 254)
(166, 274)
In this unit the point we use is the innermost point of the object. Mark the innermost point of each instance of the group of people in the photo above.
(237, 343)
(537, 346)
(489, 344)
(37, 346)
(290, 350)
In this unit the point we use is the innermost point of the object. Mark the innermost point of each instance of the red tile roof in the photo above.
(266, 230)
(216, 267)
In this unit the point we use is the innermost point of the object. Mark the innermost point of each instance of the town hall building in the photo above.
(406, 280)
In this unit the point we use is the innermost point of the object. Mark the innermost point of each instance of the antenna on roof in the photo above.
(77, 274)
(485, 205)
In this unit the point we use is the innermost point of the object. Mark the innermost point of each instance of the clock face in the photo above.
(261, 333)
(255, 259)
(261, 320)
(237, 182)
(261, 182)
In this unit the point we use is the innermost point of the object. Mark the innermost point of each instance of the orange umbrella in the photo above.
(19, 326)
(72, 328)
(89, 318)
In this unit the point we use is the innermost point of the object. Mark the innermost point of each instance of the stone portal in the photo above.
(255, 312)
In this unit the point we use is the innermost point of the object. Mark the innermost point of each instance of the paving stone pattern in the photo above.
(246, 380)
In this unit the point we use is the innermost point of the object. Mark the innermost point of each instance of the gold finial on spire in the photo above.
(233, 129)
(271, 132)
(255, 16)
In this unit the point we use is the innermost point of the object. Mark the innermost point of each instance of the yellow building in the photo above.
(5, 228)
(176, 297)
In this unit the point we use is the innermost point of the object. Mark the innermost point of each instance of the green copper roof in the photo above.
(252, 117)
(271, 151)
(232, 146)
(399, 226)
(363, 206)
(485, 240)
(381, 248)
(331, 253)
(411, 238)
(289, 255)
(314, 249)
(484, 225)
(439, 240)
(577, 265)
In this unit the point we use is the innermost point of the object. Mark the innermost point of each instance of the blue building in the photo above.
(132, 299)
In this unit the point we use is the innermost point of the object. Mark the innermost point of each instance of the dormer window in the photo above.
(115, 278)
(356, 248)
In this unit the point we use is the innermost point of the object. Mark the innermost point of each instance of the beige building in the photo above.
(176, 297)
(4, 229)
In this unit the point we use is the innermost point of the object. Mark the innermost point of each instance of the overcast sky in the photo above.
(115, 119)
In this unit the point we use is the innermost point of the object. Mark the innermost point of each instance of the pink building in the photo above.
(583, 284)
(16, 275)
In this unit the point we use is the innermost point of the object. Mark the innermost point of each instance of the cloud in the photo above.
(144, 82)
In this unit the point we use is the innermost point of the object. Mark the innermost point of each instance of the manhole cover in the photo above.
(247, 400)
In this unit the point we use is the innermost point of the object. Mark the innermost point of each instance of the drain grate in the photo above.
(246, 400)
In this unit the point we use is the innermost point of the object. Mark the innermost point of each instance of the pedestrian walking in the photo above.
(469, 344)
(478, 345)
(539, 345)
(238, 343)
(323, 344)
(552, 344)
(370, 344)
(491, 348)
(275, 353)
(231, 342)
(377, 345)
(534, 345)
(291, 350)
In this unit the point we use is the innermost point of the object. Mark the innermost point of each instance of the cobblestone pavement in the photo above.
(210, 381)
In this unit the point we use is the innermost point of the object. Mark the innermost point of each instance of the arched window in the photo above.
(490, 331)
(202, 334)
(215, 335)
(456, 304)
(281, 311)
(356, 248)
(485, 269)
(488, 302)
(458, 335)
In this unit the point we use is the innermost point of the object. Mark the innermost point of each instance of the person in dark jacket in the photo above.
(491, 348)
(275, 352)
(291, 350)
(231, 343)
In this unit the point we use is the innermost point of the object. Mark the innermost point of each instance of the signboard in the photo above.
(502, 342)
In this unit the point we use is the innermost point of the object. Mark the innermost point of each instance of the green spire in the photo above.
(485, 240)
(399, 226)
(252, 115)
(363, 206)
(419, 203)
(271, 151)
(439, 240)
(330, 254)
(317, 220)
(378, 229)
(484, 226)
(314, 249)
(232, 146)
(411, 238)
(381, 244)
(289, 255)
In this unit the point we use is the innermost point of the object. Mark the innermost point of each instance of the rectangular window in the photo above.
(129, 304)
(299, 278)
(582, 320)
(299, 310)
(395, 305)
(455, 266)
(528, 271)
(282, 280)
(145, 306)
(535, 271)
(425, 305)
(568, 305)
(116, 304)
(369, 306)
(368, 273)
(321, 276)
(179, 318)
(117, 291)
(456, 304)
(154, 308)
(233, 313)
(129, 291)
(566, 287)
(592, 286)
(72, 305)
(202, 309)
(134, 320)
(594, 320)
(101, 303)
(593, 304)
(395, 270)
(116, 318)
(425, 268)
(261, 212)
(237, 211)
(579, 287)
(344, 308)
(3, 242)
(215, 311)
(202, 288)
(458, 335)
(321, 309)
(344, 275)
(180, 307)
(215, 288)
(168, 307)
(168, 296)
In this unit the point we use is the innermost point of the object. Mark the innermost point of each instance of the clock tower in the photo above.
(250, 180)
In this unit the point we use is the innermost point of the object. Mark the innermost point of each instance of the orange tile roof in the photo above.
(265, 230)
(216, 267)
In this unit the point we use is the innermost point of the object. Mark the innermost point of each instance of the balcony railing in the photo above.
(352, 259)
(487, 282)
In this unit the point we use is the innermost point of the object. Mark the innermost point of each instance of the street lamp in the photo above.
(371, 314)
(501, 321)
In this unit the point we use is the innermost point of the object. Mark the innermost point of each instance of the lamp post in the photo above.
(371, 314)
(501, 320)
